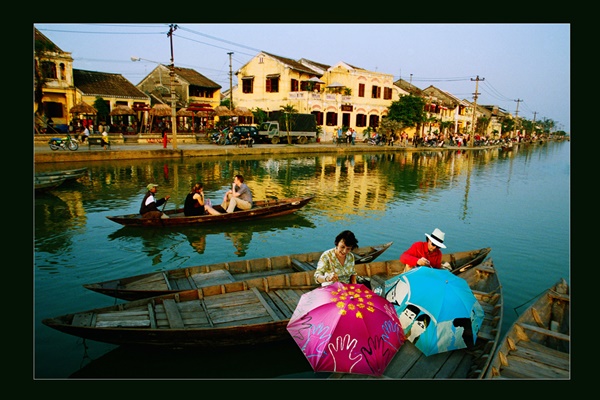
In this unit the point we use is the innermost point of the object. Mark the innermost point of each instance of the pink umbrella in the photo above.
(346, 328)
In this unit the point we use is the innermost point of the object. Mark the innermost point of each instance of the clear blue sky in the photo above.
(526, 62)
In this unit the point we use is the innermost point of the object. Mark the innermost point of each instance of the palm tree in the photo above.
(288, 113)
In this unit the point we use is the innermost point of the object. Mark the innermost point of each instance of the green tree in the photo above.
(103, 110)
(260, 115)
(289, 112)
(408, 111)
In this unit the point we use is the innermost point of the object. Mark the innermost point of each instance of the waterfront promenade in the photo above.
(126, 151)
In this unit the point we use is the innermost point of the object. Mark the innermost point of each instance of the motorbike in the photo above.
(376, 141)
(63, 143)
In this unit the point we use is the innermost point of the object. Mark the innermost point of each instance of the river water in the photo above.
(517, 203)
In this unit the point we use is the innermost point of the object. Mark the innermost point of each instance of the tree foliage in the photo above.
(408, 111)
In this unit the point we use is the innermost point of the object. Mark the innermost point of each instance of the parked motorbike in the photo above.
(376, 141)
(63, 143)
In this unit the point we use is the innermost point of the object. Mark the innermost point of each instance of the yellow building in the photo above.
(338, 95)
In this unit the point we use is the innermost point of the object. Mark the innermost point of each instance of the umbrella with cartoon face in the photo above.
(437, 310)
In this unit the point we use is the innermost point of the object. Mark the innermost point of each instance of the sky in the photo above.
(522, 67)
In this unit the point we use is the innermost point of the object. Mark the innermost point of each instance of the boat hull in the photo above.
(261, 209)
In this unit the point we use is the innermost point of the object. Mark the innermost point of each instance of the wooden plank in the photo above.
(83, 319)
(546, 332)
(302, 265)
(173, 315)
(167, 281)
(267, 307)
(151, 316)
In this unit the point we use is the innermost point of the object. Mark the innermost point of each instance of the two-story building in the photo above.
(338, 95)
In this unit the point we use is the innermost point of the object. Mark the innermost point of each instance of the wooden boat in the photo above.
(241, 313)
(42, 184)
(537, 346)
(176, 280)
(410, 363)
(260, 209)
(68, 174)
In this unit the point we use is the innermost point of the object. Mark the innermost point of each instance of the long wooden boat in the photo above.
(410, 363)
(68, 174)
(241, 313)
(176, 280)
(537, 346)
(260, 209)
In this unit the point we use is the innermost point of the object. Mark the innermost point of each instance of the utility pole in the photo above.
(173, 28)
(230, 83)
(533, 122)
(475, 95)
(517, 113)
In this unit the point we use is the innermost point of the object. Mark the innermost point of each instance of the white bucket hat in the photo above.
(437, 238)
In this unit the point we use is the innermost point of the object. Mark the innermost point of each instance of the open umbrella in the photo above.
(222, 111)
(346, 328)
(437, 310)
(315, 79)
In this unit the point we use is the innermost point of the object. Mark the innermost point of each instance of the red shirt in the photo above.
(418, 250)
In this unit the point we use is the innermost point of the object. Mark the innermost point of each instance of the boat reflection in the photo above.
(239, 234)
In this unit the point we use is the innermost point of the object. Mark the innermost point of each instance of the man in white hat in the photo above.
(426, 253)
(149, 207)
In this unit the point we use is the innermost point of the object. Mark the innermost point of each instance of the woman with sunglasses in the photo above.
(426, 253)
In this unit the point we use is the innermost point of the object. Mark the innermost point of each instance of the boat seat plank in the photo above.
(525, 368)
(83, 319)
(129, 318)
(403, 361)
(302, 265)
(181, 284)
(266, 305)
(173, 315)
(546, 332)
(543, 354)
(286, 301)
(153, 282)
(216, 277)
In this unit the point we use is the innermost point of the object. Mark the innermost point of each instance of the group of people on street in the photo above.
(337, 264)
(349, 137)
(239, 197)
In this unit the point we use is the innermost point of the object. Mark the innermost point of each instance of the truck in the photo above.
(303, 128)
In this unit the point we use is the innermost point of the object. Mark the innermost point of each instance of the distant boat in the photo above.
(45, 183)
(68, 174)
(538, 344)
(260, 209)
(177, 280)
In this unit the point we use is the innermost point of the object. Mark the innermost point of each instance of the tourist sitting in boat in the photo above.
(149, 207)
(238, 196)
(196, 204)
(426, 253)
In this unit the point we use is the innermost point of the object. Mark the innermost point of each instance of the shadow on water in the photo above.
(284, 360)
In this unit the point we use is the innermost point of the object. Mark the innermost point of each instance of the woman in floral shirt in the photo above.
(337, 264)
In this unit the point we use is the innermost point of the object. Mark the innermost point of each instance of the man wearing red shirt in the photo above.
(426, 253)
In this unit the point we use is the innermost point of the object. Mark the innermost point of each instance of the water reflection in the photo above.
(154, 241)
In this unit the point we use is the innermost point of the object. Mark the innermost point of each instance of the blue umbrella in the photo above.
(436, 308)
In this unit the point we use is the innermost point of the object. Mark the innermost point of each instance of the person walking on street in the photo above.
(149, 207)
(164, 137)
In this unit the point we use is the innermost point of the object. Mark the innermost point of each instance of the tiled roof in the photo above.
(409, 87)
(195, 78)
(92, 83)
(42, 43)
(293, 64)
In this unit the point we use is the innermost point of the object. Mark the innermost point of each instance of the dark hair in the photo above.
(196, 186)
(240, 177)
(349, 239)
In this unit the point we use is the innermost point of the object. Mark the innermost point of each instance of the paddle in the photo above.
(164, 205)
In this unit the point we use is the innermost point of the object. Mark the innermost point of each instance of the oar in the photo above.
(164, 205)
